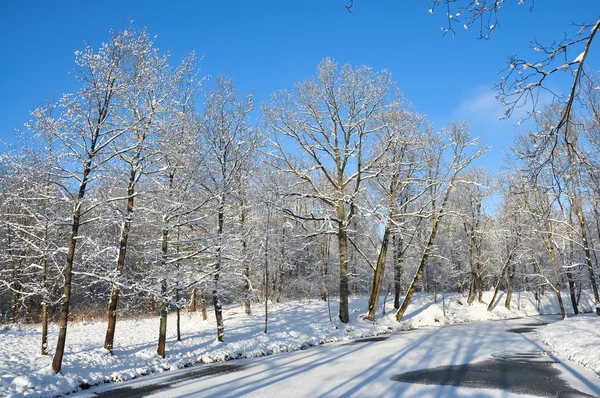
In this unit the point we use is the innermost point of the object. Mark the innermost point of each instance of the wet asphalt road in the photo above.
(488, 359)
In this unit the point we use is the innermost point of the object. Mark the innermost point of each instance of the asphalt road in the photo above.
(487, 359)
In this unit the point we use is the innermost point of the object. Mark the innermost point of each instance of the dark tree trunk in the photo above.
(511, 285)
(114, 295)
(215, 292)
(164, 300)
(397, 270)
(44, 304)
(344, 313)
(267, 269)
(63, 318)
(572, 292)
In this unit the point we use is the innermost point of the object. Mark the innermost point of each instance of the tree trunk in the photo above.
(192, 303)
(572, 292)
(267, 269)
(281, 266)
(500, 278)
(472, 286)
(203, 307)
(215, 292)
(164, 300)
(379, 272)
(344, 313)
(44, 304)
(323, 253)
(419, 273)
(16, 263)
(480, 292)
(63, 319)
(471, 237)
(162, 330)
(550, 248)
(115, 292)
(397, 270)
(511, 285)
(245, 262)
(588, 260)
(178, 312)
(426, 252)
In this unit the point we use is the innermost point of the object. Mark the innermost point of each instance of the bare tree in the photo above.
(331, 118)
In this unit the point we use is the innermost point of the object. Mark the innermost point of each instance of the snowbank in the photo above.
(576, 339)
(292, 326)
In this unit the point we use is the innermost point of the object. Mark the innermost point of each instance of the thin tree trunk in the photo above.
(281, 265)
(577, 205)
(178, 311)
(215, 292)
(45, 293)
(500, 278)
(203, 307)
(164, 302)
(550, 249)
(267, 269)
(15, 278)
(413, 286)
(569, 274)
(471, 243)
(379, 271)
(177, 289)
(572, 292)
(511, 285)
(63, 319)
(426, 253)
(588, 260)
(323, 252)
(192, 303)
(245, 262)
(480, 292)
(115, 292)
(44, 304)
(397, 270)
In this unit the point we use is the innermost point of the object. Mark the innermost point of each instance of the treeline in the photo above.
(152, 190)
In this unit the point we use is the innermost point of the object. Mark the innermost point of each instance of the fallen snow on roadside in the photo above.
(292, 326)
(576, 339)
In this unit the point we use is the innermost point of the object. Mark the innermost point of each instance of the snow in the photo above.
(579, 58)
(575, 339)
(292, 326)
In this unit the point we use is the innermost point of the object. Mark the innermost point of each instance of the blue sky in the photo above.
(270, 45)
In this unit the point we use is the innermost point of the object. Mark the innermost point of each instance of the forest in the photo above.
(154, 190)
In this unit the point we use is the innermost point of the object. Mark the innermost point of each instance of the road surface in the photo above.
(484, 359)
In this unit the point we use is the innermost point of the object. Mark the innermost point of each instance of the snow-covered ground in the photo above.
(576, 339)
(292, 326)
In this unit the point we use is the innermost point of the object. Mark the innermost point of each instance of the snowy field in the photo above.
(292, 326)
